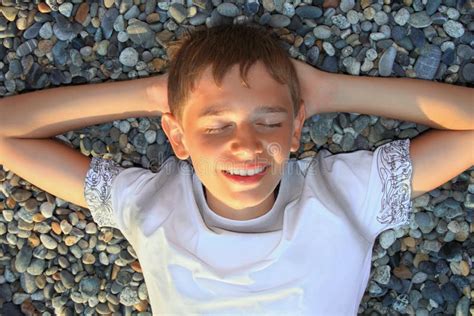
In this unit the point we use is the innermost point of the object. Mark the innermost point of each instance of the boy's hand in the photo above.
(158, 94)
(316, 89)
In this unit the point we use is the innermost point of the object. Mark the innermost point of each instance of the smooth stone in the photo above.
(322, 32)
(228, 9)
(402, 16)
(419, 19)
(386, 62)
(32, 31)
(346, 5)
(9, 13)
(453, 28)
(46, 31)
(417, 37)
(107, 22)
(26, 48)
(89, 286)
(340, 21)
(23, 258)
(439, 18)
(313, 55)
(330, 64)
(59, 52)
(129, 57)
(279, 21)
(65, 30)
(48, 241)
(448, 56)
(129, 297)
(66, 9)
(398, 32)
(432, 6)
(381, 18)
(178, 12)
(468, 72)
(140, 33)
(308, 12)
(133, 12)
(427, 63)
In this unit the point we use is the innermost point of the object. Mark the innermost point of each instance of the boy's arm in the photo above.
(28, 120)
(437, 105)
(51, 112)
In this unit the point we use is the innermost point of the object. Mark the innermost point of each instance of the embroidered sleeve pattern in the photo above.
(98, 190)
(395, 171)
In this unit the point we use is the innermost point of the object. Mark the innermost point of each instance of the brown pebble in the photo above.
(158, 64)
(11, 203)
(420, 257)
(82, 12)
(88, 258)
(331, 3)
(80, 215)
(464, 267)
(34, 241)
(29, 309)
(71, 240)
(409, 241)
(365, 3)
(153, 18)
(402, 272)
(38, 218)
(115, 271)
(142, 306)
(56, 276)
(108, 3)
(135, 265)
(56, 228)
(44, 8)
(308, 146)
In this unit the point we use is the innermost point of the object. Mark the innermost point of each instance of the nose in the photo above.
(246, 143)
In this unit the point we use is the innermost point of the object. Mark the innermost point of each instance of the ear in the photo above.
(298, 126)
(173, 130)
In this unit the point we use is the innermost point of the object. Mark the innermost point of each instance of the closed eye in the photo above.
(216, 130)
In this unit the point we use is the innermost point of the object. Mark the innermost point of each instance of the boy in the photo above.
(272, 239)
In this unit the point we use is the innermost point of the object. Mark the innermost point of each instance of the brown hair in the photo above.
(222, 47)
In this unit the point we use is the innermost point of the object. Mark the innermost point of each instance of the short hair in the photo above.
(222, 47)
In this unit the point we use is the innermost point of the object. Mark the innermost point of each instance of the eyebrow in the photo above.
(217, 110)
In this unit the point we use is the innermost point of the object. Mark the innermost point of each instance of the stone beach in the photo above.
(53, 258)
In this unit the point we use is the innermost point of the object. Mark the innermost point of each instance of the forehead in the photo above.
(264, 94)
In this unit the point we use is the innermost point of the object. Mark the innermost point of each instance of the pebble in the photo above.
(427, 64)
(419, 20)
(347, 5)
(322, 32)
(66, 9)
(386, 62)
(453, 28)
(129, 57)
(46, 31)
(308, 12)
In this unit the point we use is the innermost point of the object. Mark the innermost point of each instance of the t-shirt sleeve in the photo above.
(109, 188)
(374, 187)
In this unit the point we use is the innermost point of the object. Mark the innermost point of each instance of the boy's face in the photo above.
(245, 138)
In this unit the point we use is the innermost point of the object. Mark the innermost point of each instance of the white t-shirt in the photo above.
(309, 255)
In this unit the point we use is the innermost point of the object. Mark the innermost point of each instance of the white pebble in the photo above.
(402, 16)
(329, 49)
(129, 57)
(66, 9)
(453, 14)
(371, 54)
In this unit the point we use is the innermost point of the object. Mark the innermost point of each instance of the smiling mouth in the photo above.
(245, 179)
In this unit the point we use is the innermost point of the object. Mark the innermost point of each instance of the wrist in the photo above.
(157, 94)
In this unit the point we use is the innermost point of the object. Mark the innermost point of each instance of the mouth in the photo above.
(247, 179)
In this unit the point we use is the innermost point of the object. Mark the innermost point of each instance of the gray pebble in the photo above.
(23, 258)
(129, 57)
(46, 31)
(133, 12)
(386, 62)
(322, 32)
(48, 241)
(32, 31)
(347, 5)
(468, 72)
(279, 21)
(107, 22)
(308, 12)
(454, 28)
(419, 20)
(427, 64)
(26, 48)
(66, 9)
(178, 12)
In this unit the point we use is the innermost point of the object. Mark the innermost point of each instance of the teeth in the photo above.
(246, 172)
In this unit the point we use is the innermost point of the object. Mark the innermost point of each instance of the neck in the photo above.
(244, 214)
